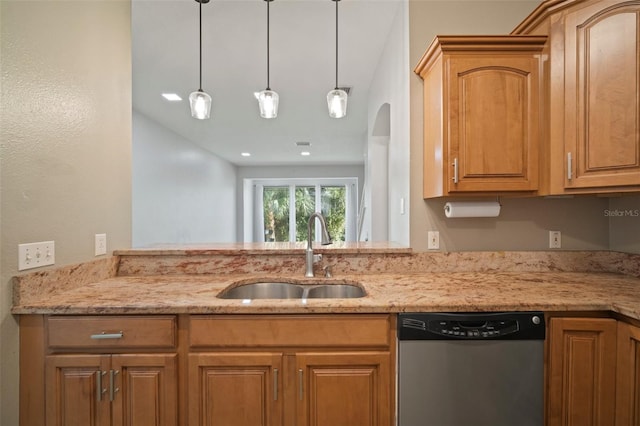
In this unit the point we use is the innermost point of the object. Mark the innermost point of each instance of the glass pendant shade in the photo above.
(200, 105)
(268, 103)
(337, 103)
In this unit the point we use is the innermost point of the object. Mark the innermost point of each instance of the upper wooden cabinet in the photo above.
(481, 114)
(592, 107)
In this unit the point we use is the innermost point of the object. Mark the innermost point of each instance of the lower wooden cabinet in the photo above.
(319, 389)
(628, 376)
(117, 390)
(235, 389)
(581, 372)
(351, 389)
(286, 370)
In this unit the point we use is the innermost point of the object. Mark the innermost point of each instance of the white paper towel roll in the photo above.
(472, 209)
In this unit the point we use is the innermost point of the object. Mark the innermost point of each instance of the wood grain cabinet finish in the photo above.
(628, 376)
(602, 95)
(285, 370)
(236, 389)
(111, 390)
(481, 114)
(344, 389)
(98, 370)
(581, 372)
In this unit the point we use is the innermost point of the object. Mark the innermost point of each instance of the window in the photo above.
(282, 208)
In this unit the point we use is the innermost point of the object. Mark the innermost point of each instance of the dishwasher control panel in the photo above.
(471, 326)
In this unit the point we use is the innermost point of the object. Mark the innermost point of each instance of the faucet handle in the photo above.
(327, 271)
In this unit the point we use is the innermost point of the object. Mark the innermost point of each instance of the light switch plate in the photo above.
(35, 255)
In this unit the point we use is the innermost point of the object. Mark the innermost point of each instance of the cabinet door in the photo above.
(493, 123)
(602, 95)
(76, 390)
(581, 371)
(628, 386)
(344, 389)
(235, 389)
(145, 390)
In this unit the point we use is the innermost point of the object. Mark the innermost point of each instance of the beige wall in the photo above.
(66, 142)
(624, 224)
(523, 223)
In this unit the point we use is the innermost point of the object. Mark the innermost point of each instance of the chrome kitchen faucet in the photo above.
(326, 240)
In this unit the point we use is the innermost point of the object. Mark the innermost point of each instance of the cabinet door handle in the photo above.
(300, 383)
(99, 389)
(275, 384)
(455, 170)
(569, 166)
(112, 384)
(104, 335)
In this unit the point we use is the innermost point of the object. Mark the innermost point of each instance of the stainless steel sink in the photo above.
(335, 291)
(281, 290)
(265, 290)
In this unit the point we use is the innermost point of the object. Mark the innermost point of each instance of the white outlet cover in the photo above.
(35, 255)
(433, 242)
(100, 244)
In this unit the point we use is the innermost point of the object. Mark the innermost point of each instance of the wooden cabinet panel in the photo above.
(344, 389)
(129, 332)
(581, 371)
(235, 389)
(493, 104)
(118, 390)
(481, 114)
(602, 95)
(251, 331)
(73, 396)
(148, 392)
(628, 376)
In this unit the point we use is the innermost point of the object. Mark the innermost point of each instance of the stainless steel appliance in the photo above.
(471, 369)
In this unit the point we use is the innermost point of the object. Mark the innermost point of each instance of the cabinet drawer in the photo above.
(244, 331)
(71, 332)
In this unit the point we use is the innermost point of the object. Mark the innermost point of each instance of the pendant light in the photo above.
(200, 101)
(267, 99)
(337, 98)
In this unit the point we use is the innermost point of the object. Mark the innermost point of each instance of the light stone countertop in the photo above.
(386, 293)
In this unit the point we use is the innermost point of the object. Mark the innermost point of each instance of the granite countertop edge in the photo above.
(386, 293)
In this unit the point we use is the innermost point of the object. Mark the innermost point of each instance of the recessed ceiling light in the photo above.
(246, 154)
(305, 153)
(171, 97)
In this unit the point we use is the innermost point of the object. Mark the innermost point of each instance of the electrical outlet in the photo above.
(555, 239)
(433, 242)
(35, 255)
(101, 244)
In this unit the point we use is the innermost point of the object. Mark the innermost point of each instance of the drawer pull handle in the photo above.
(104, 335)
(99, 389)
(112, 384)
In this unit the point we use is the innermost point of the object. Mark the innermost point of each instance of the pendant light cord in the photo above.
(268, 2)
(336, 43)
(200, 87)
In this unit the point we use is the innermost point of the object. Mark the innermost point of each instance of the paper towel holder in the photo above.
(472, 209)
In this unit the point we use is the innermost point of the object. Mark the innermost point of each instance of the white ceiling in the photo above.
(302, 56)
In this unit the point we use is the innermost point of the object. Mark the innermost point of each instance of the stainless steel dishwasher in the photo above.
(471, 369)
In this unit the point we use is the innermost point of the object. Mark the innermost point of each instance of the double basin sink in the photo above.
(284, 290)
